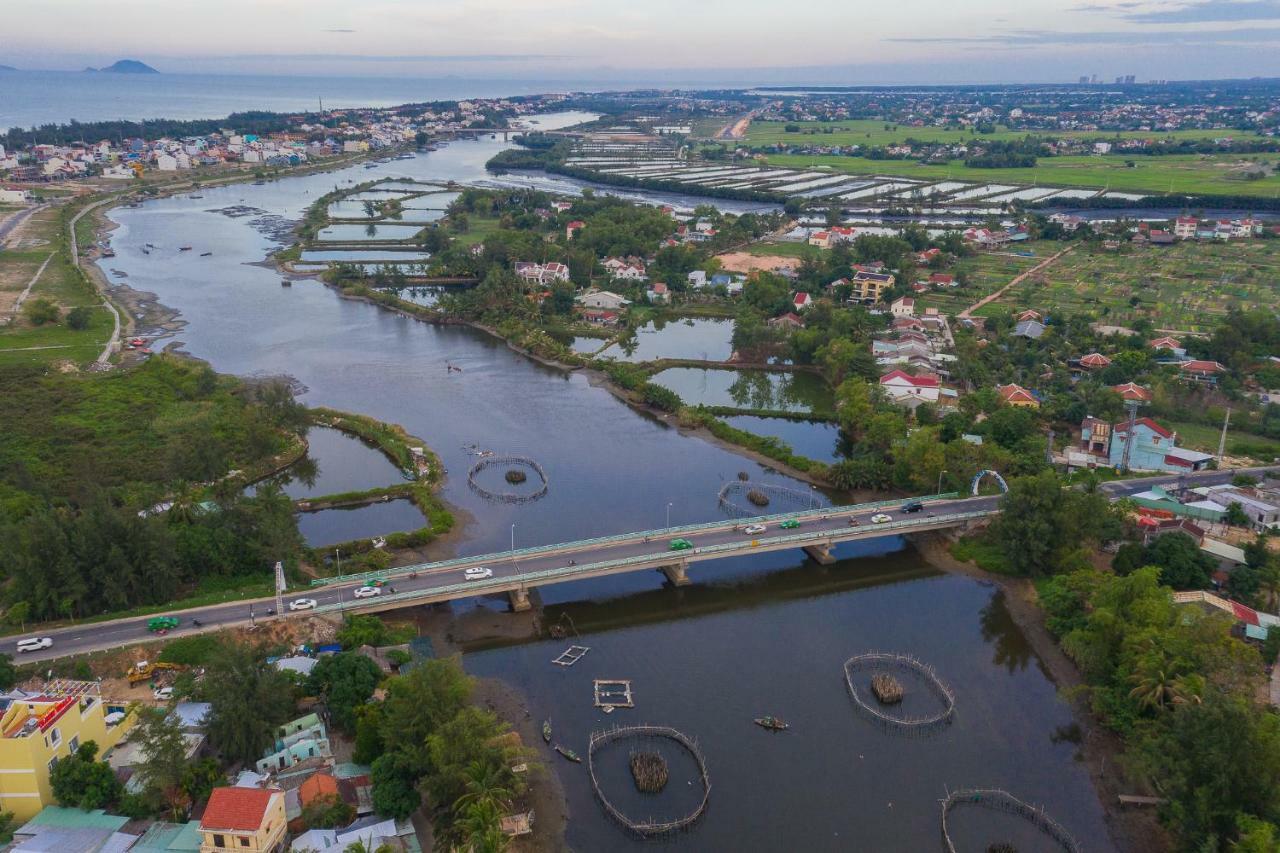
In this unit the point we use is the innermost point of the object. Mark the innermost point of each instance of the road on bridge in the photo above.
(96, 636)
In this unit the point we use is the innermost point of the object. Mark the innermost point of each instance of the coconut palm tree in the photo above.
(481, 828)
(486, 783)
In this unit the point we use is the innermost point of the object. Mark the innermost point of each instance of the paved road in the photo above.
(8, 225)
(508, 573)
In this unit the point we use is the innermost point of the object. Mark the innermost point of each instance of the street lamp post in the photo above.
(668, 515)
(938, 490)
(513, 548)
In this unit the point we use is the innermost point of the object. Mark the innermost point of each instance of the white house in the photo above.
(659, 294)
(902, 386)
(801, 301)
(698, 279)
(903, 306)
(166, 162)
(14, 196)
(601, 299)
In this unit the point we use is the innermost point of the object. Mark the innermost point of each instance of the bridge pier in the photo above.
(676, 574)
(519, 600)
(820, 554)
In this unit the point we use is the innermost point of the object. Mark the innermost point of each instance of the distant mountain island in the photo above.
(126, 66)
(7, 68)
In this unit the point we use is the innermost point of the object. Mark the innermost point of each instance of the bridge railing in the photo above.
(674, 532)
(483, 587)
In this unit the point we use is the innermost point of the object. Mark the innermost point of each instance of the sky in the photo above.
(765, 41)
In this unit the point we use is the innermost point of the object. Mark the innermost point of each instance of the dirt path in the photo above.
(113, 343)
(26, 291)
(1018, 279)
(1132, 830)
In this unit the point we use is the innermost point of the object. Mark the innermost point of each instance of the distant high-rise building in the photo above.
(1128, 79)
(1119, 80)
(1084, 78)
(1093, 79)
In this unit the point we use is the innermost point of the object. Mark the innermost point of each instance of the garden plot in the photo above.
(1125, 196)
(812, 184)
(1075, 194)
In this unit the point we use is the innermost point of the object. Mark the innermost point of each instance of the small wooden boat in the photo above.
(205, 254)
(546, 731)
(284, 282)
(184, 248)
(569, 754)
(146, 251)
(772, 723)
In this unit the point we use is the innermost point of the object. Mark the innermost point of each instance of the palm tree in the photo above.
(481, 828)
(487, 784)
(1159, 683)
(370, 209)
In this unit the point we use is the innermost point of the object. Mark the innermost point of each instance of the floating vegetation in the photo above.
(758, 497)
(886, 688)
(515, 476)
(649, 769)
(881, 664)
(743, 476)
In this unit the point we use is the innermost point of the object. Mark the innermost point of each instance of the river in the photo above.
(757, 635)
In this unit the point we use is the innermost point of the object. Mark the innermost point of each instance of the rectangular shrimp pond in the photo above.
(748, 389)
(702, 339)
(771, 635)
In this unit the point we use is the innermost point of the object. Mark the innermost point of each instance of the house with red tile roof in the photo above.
(1197, 370)
(243, 819)
(1016, 395)
(573, 228)
(1172, 344)
(903, 306)
(902, 386)
(1132, 391)
(789, 320)
(801, 300)
(1095, 361)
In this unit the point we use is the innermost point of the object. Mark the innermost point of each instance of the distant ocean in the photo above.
(29, 98)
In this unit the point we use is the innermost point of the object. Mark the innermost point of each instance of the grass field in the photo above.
(1188, 287)
(987, 273)
(478, 228)
(783, 250)
(22, 342)
(870, 133)
(1205, 439)
(1192, 174)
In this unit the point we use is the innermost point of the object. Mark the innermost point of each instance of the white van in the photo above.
(34, 644)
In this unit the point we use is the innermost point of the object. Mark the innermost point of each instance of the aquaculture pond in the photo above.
(815, 439)
(693, 338)
(358, 233)
(338, 463)
(327, 526)
(748, 389)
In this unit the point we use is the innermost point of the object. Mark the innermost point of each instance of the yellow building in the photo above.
(38, 728)
(868, 286)
(247, 820)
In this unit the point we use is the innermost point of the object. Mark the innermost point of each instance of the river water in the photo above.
(765, 634)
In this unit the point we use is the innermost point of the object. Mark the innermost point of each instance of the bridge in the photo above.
(517, 572)
(506, 131)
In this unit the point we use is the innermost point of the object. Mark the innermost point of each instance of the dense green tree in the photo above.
(1182, 564)
(345, 682)
(41, 311)
(248, 699)
(395, 791)
(80, 781)
(1044, 528)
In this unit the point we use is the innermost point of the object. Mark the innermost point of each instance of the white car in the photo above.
(367, 591)
(163, 693)
(478, 573)
(35, 644)
(753, 529)
(881, 518)
(302, 604)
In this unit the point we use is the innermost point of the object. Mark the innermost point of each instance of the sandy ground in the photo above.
(745, 263)
(1133, 830)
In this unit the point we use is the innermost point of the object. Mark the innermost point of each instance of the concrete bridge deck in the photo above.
(517, 572)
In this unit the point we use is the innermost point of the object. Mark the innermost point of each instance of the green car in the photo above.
(162, 623)
(789, 524)
(681, 544)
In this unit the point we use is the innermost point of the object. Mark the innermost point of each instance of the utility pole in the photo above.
(1132, 405)
(1222, 441)
(280, 587)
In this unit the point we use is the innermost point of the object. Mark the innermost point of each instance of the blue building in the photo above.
(1154, 447)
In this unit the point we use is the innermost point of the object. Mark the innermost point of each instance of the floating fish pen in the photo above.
(883, 664)
(649, 827)
(520, 462)
(571, 655)
(613, 693)
(649, 770)
(1003, 801)
(734, 492)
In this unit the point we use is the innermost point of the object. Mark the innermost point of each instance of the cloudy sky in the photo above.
(655, 40)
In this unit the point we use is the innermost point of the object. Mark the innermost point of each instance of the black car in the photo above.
(913, 506)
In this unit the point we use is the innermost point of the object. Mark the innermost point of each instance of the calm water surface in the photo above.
(814, 439)
(748, 389)
(756, 635)
(770, 636)
(706, 340)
